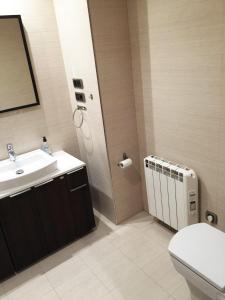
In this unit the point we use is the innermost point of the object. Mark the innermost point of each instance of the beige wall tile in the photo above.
(53, 118)
(113, 57)
(178, 52)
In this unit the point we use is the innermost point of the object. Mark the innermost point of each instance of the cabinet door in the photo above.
(55, 216)
(6, 268)
(81, 208)
(21, 227)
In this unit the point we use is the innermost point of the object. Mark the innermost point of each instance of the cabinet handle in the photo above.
(74, 171)
(43, 183)
(20, 193)
(61, 177)
(78, 188)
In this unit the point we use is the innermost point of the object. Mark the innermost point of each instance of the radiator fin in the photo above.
(158, 197)
(165, 199)
(181, 207)
(150, 191)
(172, 202)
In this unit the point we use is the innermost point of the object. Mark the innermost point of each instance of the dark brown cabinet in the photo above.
(55, 214)
(80, 201)
(44, 218)
(22, 229)
(81, 209)
(6, 268)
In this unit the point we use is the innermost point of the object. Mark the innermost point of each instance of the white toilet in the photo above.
(198, 254)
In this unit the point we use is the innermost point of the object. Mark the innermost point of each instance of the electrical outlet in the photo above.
(211, 217)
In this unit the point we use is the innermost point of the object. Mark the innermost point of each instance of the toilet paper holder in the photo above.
(124, 157)
(125, 163)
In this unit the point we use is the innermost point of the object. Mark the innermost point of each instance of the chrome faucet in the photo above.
(11, 152)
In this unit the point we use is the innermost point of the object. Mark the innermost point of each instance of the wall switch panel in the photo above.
(78, 83)
(80, 97)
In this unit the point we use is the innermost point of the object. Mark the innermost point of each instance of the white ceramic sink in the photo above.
(32, 166)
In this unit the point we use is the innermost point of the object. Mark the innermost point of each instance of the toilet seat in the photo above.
(201, 248)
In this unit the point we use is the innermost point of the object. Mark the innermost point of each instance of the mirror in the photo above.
(17, 84)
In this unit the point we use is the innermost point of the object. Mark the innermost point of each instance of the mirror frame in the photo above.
(18, 17)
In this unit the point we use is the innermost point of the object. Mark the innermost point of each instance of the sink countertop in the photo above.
(65, 164)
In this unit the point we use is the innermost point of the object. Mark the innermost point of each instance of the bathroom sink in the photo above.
(28, 167)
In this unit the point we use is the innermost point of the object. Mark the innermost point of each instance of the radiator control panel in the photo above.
(192, 202)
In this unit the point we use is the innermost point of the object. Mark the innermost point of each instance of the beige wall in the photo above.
(110, 32)
(179, 69)
(76, 42)
(24, 128)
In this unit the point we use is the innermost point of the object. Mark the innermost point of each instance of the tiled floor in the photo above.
(129, 261)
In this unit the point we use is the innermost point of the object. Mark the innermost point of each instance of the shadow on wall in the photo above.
(100, 200)
(132, 175)
(140, 45)
(87, 137)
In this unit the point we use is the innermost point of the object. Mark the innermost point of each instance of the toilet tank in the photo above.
(172, 192)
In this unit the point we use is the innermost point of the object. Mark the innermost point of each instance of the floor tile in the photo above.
(62, 274)
(159, 234)
(108, 296)
(59, 258)
(89, 287)
(50, 296)
(119, 274)
(182, 292)
(112, 259)
(140, 221)
(27, 285)
(171, 281)
(158, 268)
(142, 252)
(1, 292)
(145, 290)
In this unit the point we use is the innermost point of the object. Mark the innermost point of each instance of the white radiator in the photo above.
(172, 192)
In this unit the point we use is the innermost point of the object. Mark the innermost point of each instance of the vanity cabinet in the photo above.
(22, 229)
(55, 214)
(80, 201)
(81, 210)
(6, 268)
(44, 218)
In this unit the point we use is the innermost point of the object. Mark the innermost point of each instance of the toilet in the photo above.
(198, 254)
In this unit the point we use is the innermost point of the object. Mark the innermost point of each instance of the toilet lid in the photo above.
(202, 249)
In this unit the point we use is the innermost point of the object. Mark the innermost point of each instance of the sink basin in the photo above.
(28, 167)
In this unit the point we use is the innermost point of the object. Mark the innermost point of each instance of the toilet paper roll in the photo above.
(123, 164)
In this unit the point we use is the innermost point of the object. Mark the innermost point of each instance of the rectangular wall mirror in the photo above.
(17, 84)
